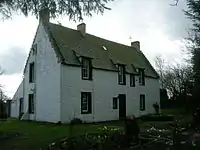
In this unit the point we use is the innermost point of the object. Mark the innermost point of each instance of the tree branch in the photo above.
(175, 3)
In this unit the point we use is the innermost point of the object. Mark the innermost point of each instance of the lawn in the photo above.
(36, 135)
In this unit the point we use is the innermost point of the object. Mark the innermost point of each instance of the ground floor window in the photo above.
(31, 103)
(115, 103)
(142, 102)
(21, 104)
(86, 102)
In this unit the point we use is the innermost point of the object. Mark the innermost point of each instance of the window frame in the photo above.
(141, 76)
(88, 102)
(32, 72)
(31, 105)
(115, 103)
(121, 75)
(142, 102)
(132, 80)
(86, 69)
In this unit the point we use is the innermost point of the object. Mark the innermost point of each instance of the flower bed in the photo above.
(105, 139)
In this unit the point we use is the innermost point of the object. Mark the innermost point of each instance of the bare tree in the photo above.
(175, 3)
(160, 65)
(177, 79)
(1, 72)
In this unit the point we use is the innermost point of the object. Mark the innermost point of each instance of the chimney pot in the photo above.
(82, 28)
(135, 44)
(44, 15)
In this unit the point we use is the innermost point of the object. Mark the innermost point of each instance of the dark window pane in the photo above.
(141, 77)
(31, 72)
(31, 103)
(121, 75)
(132, 80)
(115, 103)
(142, 102)
(86, 102)
(21, 104)
(86, 69)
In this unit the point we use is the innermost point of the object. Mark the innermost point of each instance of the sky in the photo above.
(160, 28)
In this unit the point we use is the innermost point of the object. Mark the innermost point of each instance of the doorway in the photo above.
(122, 106)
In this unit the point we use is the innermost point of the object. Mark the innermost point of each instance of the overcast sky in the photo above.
(159, 27)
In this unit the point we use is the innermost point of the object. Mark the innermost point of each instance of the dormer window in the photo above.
(86, 69)
(132, 80)
(141, 77)
(121, 75)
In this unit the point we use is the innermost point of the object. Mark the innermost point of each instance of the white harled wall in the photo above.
(47, 80)
(15, 101)
(58, 89)
(104, 87)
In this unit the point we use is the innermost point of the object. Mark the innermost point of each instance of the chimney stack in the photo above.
(44, 15)
(135, 44)
(82, 28)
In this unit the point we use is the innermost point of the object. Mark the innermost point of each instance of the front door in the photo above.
(122, 106)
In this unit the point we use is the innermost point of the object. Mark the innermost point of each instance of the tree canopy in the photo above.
(193, 13)
(75, 9)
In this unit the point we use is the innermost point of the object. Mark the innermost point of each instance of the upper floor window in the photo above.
(141, 77)
(31, 72)
(132, 80)
(86, 69)
(121, 75)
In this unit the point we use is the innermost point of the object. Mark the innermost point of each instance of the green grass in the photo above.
(37, 135)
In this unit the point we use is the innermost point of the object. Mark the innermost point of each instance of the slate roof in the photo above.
(69, 44)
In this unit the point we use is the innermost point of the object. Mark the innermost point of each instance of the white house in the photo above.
(72, 74)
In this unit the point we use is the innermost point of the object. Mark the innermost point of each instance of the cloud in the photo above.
(13, 60)
(10, 83)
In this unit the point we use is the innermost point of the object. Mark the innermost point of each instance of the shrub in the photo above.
(156, 108)
(20, 115)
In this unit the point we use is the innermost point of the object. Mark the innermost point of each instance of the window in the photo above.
(115, 103)
(86, 69)
(142, 102)
(86, 102)
(21, 105)
(121, 75)
(30, 104)
(132, 80)
(141, 77)
(31, 72)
